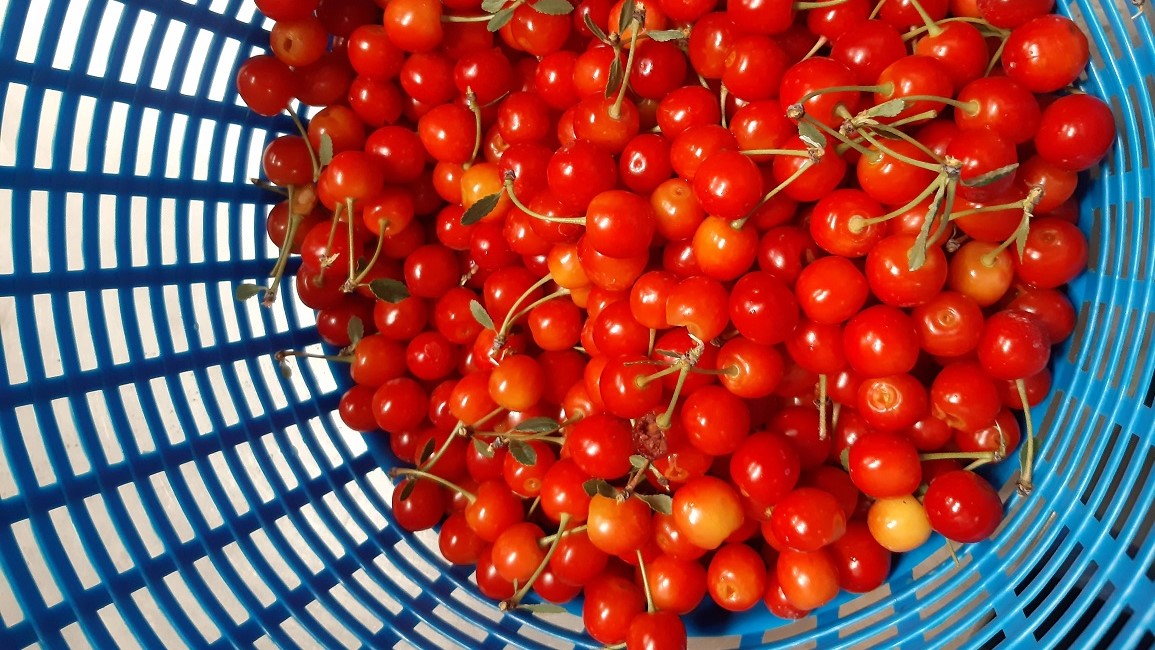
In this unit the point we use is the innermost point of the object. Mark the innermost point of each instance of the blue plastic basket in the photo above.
(161, 485)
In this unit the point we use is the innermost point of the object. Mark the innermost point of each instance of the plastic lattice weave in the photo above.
(162, 485)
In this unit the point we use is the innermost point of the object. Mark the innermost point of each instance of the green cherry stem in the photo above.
(525, 312)
(471, 102)
(515, 600)
(1027, 459)
(638, 21)
(929, 25)
(308, 145)
(979, 22)
(335, 358)
(902, 135)
(739, 223)
(363, 273)
(877, 8)
(857, 224)
(801, 153)
(352, 244)
(824, 4)
(822, 407)
(548, 539)
(506, 324)
(898, 156)
(989, 456)
(278, 271)
(646, 583)
(466, 19)
(418, 474)
(579, 221)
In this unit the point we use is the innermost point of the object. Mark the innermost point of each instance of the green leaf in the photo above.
(661, 503)
(663, 35)
(483, 448)
(247, 291)
(426, 452)
(992, 176)
(500, 19)
(614, 78)
(356, 330)
(552, 7)
(844, 459)
(492, 6)
(811, 135)
(626, 16)
(407, 489)
(523, 452)
(538, 425)
(594, 29)
(481, 208)
(480, 315)
(325, 154)
(892, 108)
(916, 257)
(638, 461)
(389, 290)
(543, 608)
(596, 486)
(1021, 233)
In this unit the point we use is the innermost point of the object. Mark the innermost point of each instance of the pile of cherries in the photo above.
(663, 300)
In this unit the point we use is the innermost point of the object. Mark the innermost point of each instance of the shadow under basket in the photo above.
(163, 485)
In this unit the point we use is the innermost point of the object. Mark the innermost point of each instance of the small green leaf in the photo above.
(500, 19)
(844, 459)
(598, 32)
(481, 208)
(663, 35)
(483, 448)
(247, 291)
(916, 256)
(668, 353)
(1021, 233)
(660, 503)
(426, 452)
(538, 425)
(614, 78)
(407, 489)
(523, 452)
(325, 153)
(892, 108)
(992, 176)
(638, 461)
(626, 16)
(543, 608)
(811, 135)
(389, 290)
(596, 486)
(552, 7)
(492, 6)
(480, 315)
(285, 369)
(356, 330)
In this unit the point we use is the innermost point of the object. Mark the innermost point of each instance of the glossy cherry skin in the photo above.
(963, 506)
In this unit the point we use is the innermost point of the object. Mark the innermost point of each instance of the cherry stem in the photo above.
(684, 365)
(988, 260)
(638, 20)
(857, 224)
(635, 480)
(822, 407)
(803, 6)
(360, 277)
(929, 25)
(800, 153)
(737, 224)
(513, 602)
(977, 464)
(881, 88)
(537, 303)
(946, 206)
(956, 19)
(418, 474)
(580, 221)
(471, 102)
(308, 145)
(818, 45)
(278, 271)
(1027, 459)
(548, 539)
(877, 8)
(989, 456)
(327, 261)
(646, 583)
(508, 322)
(642, 382)
(336, 358)
(970, 108)
(848, 143)
(466, 19)
(533, 506)
(902, 135)
(898, 156)
(723, 94)
(653, 340)
(269, 185)
(997, 56)
(352, 257)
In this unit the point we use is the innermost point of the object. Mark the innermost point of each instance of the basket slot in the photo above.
(1042, 563)
(117, 627)
(1134, 101)
(790, 630)
(952, 621)
(1100, 466)
(1081, 318)
(1085, 619)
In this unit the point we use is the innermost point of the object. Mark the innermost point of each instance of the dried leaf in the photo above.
(660, 503)
(538, 425)
(811, 135)
(481, 208)
(492, 6)
(407, 489)
(543, 608)
(892, 108)
(500, 19)
(389, 290)
(663, 35)
(614, 78)
(552, 7)
(247, 291)
(523, 452)
(626, 16)
(598, 32)
(325, 151)
(483, 448)
(992, 176)
(356, 330)
(596, 486)
(480, 315)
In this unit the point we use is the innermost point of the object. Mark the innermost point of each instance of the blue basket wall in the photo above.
(161, 485)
